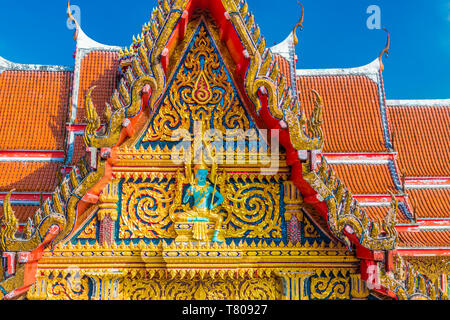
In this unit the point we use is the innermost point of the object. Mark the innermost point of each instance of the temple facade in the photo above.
(199, 163)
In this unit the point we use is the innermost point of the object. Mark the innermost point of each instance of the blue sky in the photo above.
(335, 35)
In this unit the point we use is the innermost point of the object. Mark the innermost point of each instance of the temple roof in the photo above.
(34, 108)
(352, 115)
(420, 130)
(27, 176)
(425, 239)
(99, 69)
(366, 179)
(45, 111)
(34, 100)
(431, 203)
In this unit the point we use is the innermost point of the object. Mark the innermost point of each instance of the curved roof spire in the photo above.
(83, 41)
(72, 18)
(298, 25)
(385, 50)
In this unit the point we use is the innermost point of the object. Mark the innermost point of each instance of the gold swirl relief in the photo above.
(90, 231)
(253, 210)
(330, 288)
(67, 287)
(145, 210)
(140, 288)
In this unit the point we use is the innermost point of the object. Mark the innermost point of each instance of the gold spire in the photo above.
(385, 50)
(298, 25)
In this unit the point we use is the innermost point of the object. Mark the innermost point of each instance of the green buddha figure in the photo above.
(203, 198)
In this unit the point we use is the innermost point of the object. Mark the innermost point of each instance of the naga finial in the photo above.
(390, 219)
(385, 50)
(9, 220)
(298, 25)
(315, 123)
(92, 118)
(319, 100)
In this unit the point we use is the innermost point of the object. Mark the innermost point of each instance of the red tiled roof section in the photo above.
(34, 106)
(22, 212)
(28, 176)
(79, 149)
(429, 238)
(285, 68)
(431, 203)
(422, 138)
(99, 69)
(380, 212)
(365, 179)
(351, 115)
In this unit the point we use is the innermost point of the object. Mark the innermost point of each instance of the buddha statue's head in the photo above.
(201, 173)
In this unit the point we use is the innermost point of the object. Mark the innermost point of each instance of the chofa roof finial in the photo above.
(385, 50)
(72, 18)
(298, 25)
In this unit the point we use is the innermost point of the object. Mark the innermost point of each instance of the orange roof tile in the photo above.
(351, 115)
(429, 238)
(23, 212)
(34, 106)
(285, 68)
(100, 69)
(365, 179)
(431, 203)
(380, 212)
(79, 149)
(28, 176)
(422, 138)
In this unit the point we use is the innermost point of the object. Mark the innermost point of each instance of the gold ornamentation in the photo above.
(108, 201)
(141, 287)
(261, 289)
(325, 287)
(13, 282)
(432, 267)
(90, 231)
(359, 289)
(297, 121)
(409, 284)
(344, 211)
(294, 283)
(10, 222)
(253, 209)
(67, 286)
(309, 229)
(145, 210)
(202, 92)
(8, 239)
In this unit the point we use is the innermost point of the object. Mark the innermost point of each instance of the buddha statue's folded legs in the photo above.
(200, 217)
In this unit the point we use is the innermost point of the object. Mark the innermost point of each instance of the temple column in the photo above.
(38, 290)
(358, 287)
(107, 215)
(105, 285)
(293, 205)
(294, 283)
